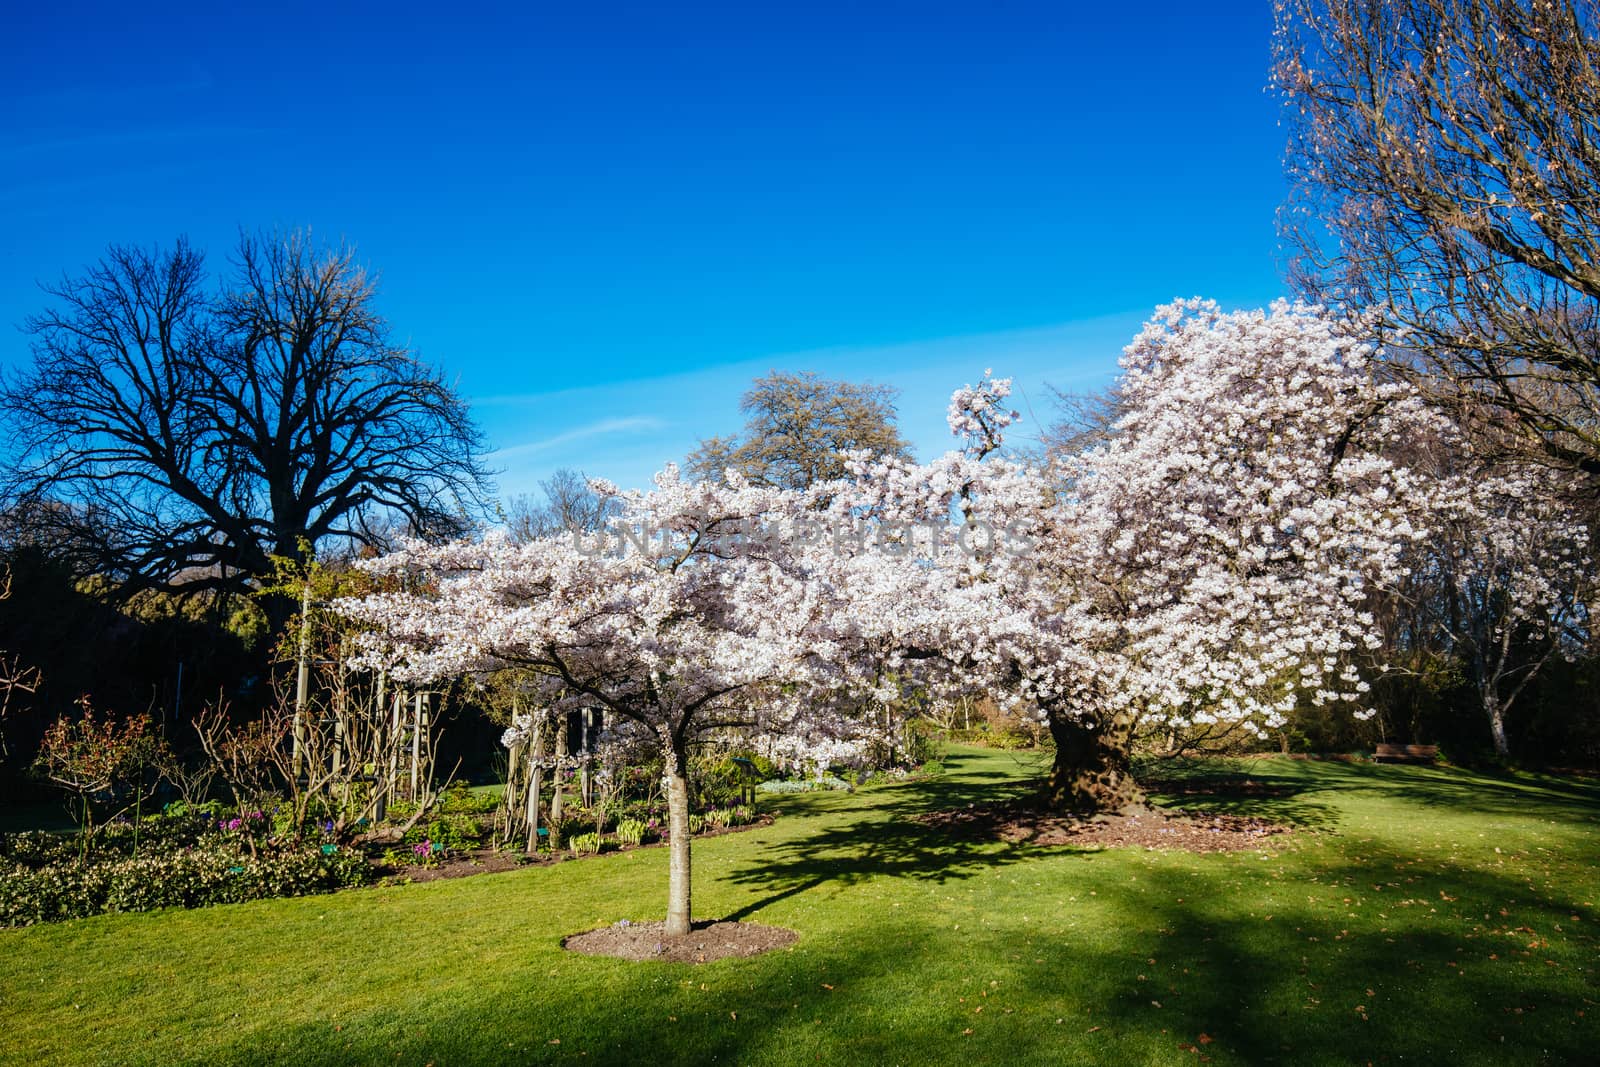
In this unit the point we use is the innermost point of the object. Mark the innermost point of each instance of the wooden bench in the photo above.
(1406, 753)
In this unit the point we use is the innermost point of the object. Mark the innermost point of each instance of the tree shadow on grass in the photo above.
(1286, 790)
(888, 841)
(1372, 958)
(1281, 800)
(1188, 973)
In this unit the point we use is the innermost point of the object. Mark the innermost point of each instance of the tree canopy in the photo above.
(798, 428)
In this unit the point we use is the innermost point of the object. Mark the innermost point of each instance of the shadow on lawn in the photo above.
(888, 842)
(1375, 958)
(1191, 973)
(1285, 790)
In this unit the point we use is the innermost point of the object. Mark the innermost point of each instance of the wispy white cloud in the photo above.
(631, 424)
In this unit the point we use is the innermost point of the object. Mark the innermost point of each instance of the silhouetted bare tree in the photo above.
(176, 434)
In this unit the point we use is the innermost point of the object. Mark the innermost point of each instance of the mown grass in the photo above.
(1424, 915)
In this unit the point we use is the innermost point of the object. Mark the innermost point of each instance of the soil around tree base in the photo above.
(1139, 827)
(707, 941)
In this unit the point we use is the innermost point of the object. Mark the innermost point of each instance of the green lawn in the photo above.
(1423, 915)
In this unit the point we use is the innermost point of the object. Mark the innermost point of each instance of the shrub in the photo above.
(630, 832)
(456, 831)
(581, 844)
(462, 799)
(214, 871)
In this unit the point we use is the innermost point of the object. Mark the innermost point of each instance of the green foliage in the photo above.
(630, 832)
(462, 798)
(38, 885)
(722, 818)
(719, 782)
(923, 743)
(457, 832)
(584, 844)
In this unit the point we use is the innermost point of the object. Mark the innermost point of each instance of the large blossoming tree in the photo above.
(1208, 563)
(691, 618)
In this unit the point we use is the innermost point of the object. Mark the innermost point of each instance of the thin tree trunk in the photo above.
(1092, 770)
(535, 784)
(302, 683)
(397, 725)
(381, 740)
(512, 808)
(678, 885)
(561, 754)
(425, 733)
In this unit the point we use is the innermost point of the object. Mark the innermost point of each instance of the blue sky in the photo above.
(602, 220)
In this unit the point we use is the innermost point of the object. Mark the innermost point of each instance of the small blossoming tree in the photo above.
(686, 624)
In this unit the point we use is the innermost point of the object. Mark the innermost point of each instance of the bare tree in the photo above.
(570, 504)
(1445, 162)
(179, 435)
(1086, 420)
(797, 428)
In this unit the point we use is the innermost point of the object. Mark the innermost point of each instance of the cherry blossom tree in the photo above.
(687, 619)
(1207, 563)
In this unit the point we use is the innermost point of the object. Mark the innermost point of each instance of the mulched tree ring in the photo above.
(707, 941)
(1147, 828)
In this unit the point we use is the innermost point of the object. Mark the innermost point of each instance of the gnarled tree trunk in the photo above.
(1092, 770)
(678, 902)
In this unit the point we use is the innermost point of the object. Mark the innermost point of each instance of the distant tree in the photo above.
(570, 504)
(798, 427)
(174, 434)
(1444, 171)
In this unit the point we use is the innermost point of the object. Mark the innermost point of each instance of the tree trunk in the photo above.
(556, 799)
(1497, 724)
(535, 785)
(302, 682)
(678, 902)
(1091, 772)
